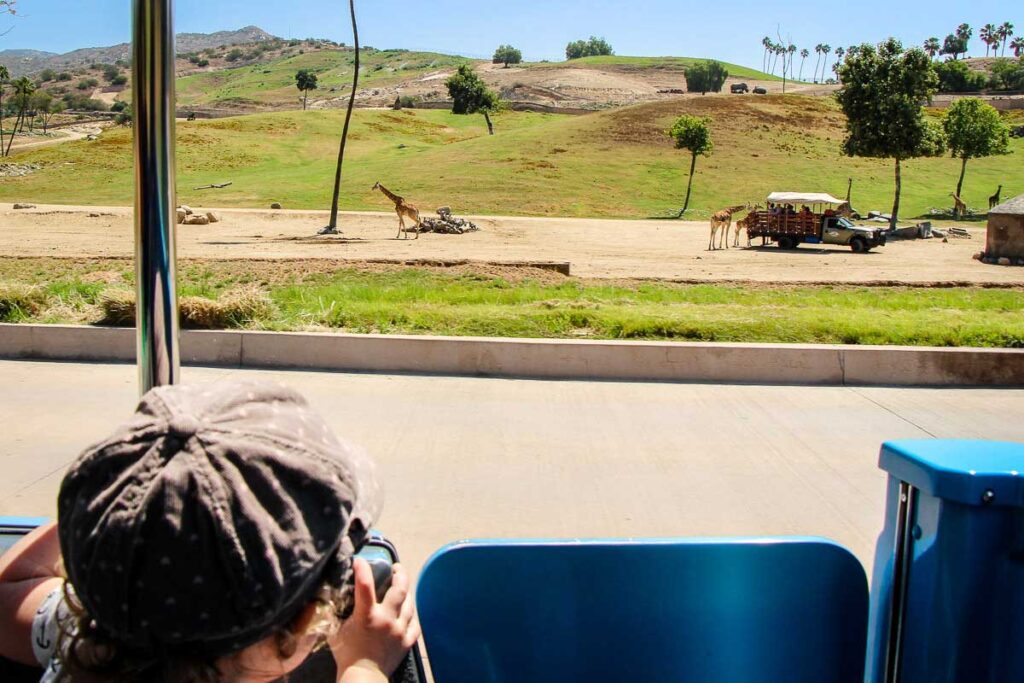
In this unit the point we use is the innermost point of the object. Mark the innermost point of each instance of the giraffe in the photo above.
(723, 221)
(993, 201)
(741, 225)
(959, 208)
(403, 210)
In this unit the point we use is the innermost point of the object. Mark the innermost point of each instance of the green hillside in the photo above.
(617, 163)
(674, 63)
(273, 82)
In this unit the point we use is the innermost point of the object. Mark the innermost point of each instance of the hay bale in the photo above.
(197, 219)
(213, 217)
(181, 215)
(276, 206)
(18, 300)
(118, 306)
(187, 209)
(245, 305)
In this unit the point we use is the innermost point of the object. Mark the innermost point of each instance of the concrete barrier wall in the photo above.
(561, 359)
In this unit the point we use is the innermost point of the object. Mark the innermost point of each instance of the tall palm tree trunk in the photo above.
(333, 225)
(14, 130)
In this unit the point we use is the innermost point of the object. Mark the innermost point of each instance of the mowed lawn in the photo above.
(617, 163)
(519, 303)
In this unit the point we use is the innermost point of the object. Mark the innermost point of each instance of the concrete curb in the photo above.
(553, 359)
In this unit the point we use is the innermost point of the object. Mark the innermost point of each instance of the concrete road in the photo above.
(465, 457)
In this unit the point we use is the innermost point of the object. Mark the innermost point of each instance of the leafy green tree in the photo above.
(45, 107)
(595, 47)
(506, 54)
(332, 226)
(884, 92)
(305, 80)
(956, 76)
(974, 130)
(471, 95)
(705, 76)
(692, 133)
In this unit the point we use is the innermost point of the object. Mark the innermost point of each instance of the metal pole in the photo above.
(902, 557)
(155, 216)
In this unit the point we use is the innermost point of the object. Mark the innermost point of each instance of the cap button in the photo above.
(184, 426)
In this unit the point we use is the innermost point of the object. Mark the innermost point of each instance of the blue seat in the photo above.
(675, 610)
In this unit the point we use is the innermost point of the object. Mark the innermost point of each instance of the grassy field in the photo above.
(273, 83)
(522, 303)
(673, 63)
(616, 163)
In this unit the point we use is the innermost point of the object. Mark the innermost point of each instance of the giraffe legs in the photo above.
(401, 227)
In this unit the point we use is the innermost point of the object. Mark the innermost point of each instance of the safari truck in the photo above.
(793, 218)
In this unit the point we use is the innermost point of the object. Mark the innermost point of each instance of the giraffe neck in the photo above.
(390, 195)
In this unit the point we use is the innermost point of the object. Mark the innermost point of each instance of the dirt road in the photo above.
(669, 250)
(61, 136)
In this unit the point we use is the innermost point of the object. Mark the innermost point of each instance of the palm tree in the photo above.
(839, 57)
(804, 54)
(817, 48)
(792, 51)
(985, 34)
(766, 43)
(1005, 32)
(826, 49)
(932, 46)
(332, 227)
(964, 33)
(5, 76)
(1017, 46)
(23, 89)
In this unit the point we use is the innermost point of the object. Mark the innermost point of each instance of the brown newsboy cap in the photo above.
(212, 517)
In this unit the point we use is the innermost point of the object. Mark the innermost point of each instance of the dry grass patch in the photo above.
(19, 301)
(239, 307)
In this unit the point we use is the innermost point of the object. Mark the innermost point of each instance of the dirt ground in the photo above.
(666, 250)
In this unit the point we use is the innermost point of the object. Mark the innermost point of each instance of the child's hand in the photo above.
(372, 642)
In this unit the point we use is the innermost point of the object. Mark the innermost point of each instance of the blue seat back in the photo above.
(675, 610)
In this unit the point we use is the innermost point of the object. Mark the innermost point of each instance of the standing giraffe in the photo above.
(744, 224)
(723, 221)
(993, 201)
(959, 208)
(403, 210)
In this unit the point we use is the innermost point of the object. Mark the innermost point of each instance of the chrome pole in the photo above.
(155, 216)
(903, 556)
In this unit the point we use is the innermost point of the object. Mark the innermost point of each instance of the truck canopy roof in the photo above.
(803, 198)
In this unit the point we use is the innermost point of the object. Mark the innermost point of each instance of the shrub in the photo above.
(1008, 74)
(119, 106)
(956, 76)
(203, 63)
(234, 55)
(82, 102)
(64, 76)
(111, 72)
(47, 75)
(120, 79)
(87, 84)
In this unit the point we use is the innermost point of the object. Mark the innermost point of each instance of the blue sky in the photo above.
(730, 30)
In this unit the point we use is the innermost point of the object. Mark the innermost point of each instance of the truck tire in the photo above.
(788, 243)
(858, 245)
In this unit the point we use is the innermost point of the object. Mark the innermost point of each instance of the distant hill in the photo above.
(26, 62)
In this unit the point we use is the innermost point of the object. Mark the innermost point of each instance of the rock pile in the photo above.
(187, 216)
(447, 224)
(10, 170)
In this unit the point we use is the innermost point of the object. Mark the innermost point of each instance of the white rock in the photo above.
(187, 209)
(197, 220)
